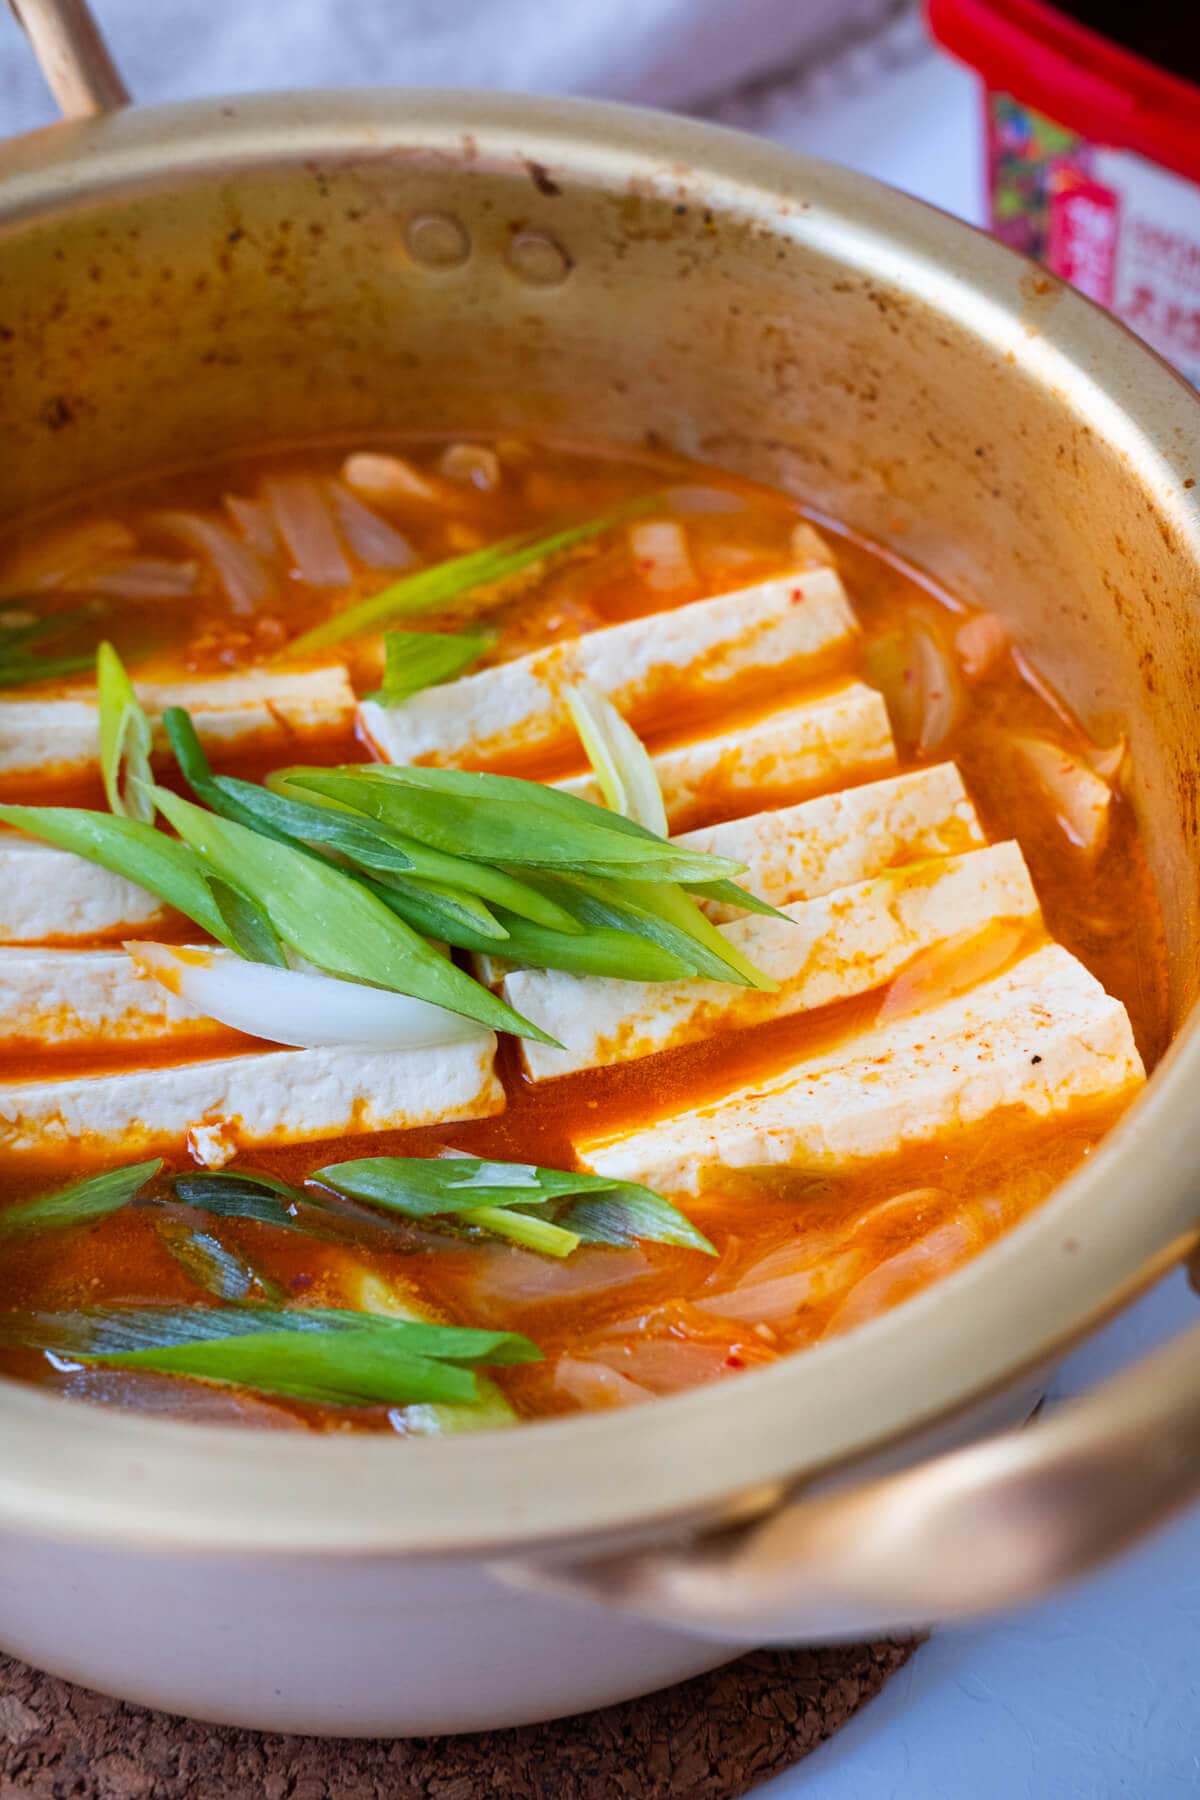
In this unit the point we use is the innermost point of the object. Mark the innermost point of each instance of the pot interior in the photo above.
(218, 279)
(213, 280)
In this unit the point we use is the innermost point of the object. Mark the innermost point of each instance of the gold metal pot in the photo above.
(182, 281)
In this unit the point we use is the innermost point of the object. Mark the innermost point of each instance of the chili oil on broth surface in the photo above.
(801, 1251)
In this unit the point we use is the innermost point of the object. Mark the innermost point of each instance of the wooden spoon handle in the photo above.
(73, 56)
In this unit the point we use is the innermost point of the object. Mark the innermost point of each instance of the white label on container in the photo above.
(1128, 234)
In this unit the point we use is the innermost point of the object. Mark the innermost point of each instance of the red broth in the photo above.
(799, 1256)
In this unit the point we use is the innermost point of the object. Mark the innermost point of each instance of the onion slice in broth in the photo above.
(301, 1008)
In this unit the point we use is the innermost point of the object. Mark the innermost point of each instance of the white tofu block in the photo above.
(49, 895)
(1038, 1040)
(280, 1097)
(828, 948)
(808, 748)
(71, 998)
(693, 655)
(797, 852)
(258, 706)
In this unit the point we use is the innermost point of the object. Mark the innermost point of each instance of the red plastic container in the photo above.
(1093, 157)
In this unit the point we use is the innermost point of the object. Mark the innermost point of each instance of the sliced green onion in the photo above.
(125, 740)
(224, 1273)
(128, 847)
(424, 1187)
(596, 950)
(83, 1201)
(332, 920)
(263, 1199)
(365, 843)
(250, 933)
(712, 952)
(730, 894)
(436, 911)
(19, 671)
(522, 1228)
(630, 1214)
(414, 660)
(620, 760)
(446, 583)
(500, 819)
(244, 1194)
(324, 1355)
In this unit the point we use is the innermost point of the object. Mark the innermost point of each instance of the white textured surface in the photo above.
(841, 736)
(284, 1096)
(670, 52)
(89, 997)
(260, 705)
(828, 948)
(1091, 1695)
(691, 653)
(48, 893)
(1042, 1036)
(797, 852)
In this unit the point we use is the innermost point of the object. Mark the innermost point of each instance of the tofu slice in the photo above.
(839, 737)
(690, 656)
(1039, 1039)
(49, 895)
(797, 852)
(828, 948)
(280, 1097)
(59, 737)
(70, 998)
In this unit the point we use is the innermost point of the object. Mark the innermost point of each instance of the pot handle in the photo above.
(73, 56)
(988, 1526)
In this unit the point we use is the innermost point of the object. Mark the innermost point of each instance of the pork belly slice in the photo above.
(279, 1097)
(807, 748)
(691, 656)
(1036, 1041)
(828, 948)
(797, 852)
(257, 706)
(71, 998)
(46, 893)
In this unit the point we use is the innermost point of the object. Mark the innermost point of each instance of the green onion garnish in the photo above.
(414, 660)
(604, 1211)
(332, 920)
(93, 1198)
(448, 583)
(324, 1355)
(125, 740)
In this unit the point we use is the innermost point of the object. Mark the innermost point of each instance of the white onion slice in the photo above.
(981, 642)
(253, 522)
(661, 553)
(142, 578)
(304, 522)
(64, 555)
(930, 1258)
(244, 576)
(594, 1385)
(387, 478)
(286, 1006)
(809, 549)
(951, 967)
(1079, 798)
(472, 465)
(374, 542)
(622, 764)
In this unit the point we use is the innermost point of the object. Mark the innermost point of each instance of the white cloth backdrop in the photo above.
(688, 54)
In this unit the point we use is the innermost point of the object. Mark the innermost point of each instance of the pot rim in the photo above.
(71, 1469)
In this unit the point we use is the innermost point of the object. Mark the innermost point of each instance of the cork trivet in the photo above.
(709, 1739)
